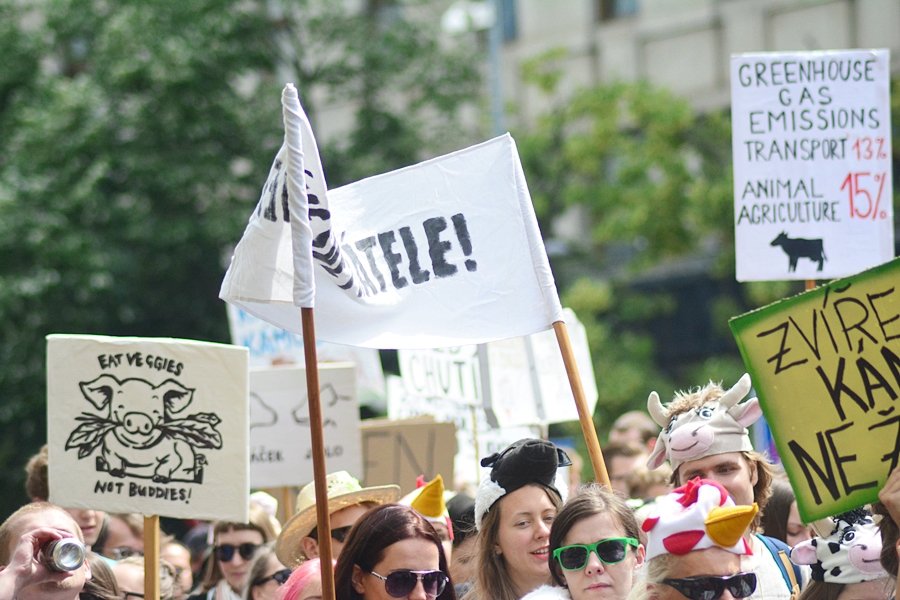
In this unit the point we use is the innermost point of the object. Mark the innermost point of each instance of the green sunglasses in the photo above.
(609, 550)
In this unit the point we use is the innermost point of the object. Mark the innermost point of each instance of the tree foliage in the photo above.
(135, 138)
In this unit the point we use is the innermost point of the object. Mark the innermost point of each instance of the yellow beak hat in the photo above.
(428, 500)
(696, 516)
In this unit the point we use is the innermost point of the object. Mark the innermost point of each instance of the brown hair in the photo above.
(102, 585)
(259, 521)
(822, 590)
(890, 535)
(36, 481)
(774, 520)
(492, 580)
(9, 530)
(377, 529)
(590, 500)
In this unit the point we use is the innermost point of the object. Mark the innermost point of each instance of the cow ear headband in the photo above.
(698, 515)
(716, 427)
(527, 461)
(850, 554)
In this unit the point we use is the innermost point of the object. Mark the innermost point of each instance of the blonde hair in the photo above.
(9, 530)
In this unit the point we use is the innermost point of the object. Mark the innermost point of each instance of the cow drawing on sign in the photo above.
(137, 434)
(797, 248)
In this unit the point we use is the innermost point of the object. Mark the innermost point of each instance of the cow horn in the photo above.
(656, 410)
(734, 395)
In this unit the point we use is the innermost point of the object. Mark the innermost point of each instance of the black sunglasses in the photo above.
(609, 550)
(225, 552)
(280, 576)
(740, 585)
(338, 533)
(402, 582)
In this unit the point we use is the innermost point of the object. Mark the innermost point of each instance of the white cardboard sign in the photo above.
(148, 425)
(811, 143)
(280, 441)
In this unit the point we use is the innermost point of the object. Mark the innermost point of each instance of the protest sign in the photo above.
(148, 425)
(280, 442)
(270, 345)
(826, 366)
(443, 253)
(811, 144)
(399, 451)
(475, 436)
(526, 378)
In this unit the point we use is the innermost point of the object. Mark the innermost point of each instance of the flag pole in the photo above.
(323, 521)
(151, 557)
(584, 416)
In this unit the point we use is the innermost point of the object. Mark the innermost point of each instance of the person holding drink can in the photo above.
(41, 554)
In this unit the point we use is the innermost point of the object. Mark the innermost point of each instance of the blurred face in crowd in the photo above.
(341, 522)
(130, 578)
(179, 557)
(731, 469)
(523, 536)
(620, 467)
(90, 521)
(266, 587)
(121, 541)
(237, 568)
(796, 531)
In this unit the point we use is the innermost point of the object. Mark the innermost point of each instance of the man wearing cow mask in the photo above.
(705, 435)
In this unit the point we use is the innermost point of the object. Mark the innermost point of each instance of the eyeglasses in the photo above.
(740, 585)
(127, 595)
(279, 576)
(124, 552)
(338, 533)
(609, 550)
(225, 552)
(402, 582)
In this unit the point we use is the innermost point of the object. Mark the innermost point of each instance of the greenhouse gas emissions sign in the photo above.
(811, 144)
(826, 367)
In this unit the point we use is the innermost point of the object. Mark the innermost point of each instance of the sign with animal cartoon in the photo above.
(826, 367)
(280, 443)
(811, 145)
(149, 425)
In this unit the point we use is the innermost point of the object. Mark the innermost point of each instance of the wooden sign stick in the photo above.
(323, 521)
(151, 557)
(584, 417)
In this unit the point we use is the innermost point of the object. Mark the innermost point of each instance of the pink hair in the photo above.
(308, 571)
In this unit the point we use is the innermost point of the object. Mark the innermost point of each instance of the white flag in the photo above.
(443, 253)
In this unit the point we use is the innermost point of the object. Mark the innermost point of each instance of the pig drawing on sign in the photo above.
(137, 434)
(797, 248)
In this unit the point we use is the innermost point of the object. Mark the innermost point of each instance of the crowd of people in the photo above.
(703, 521)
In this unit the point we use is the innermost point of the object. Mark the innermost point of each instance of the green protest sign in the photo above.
(826, 368)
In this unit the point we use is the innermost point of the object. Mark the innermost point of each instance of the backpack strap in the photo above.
(789, 571)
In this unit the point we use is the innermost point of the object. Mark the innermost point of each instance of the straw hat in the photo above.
(343, 490)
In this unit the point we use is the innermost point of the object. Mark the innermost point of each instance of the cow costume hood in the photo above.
(849, 554)
(717, 427)
(527, 461)
(696, 516)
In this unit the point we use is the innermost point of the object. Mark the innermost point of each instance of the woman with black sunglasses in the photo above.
(266, 575)
(234, 546)
(393, 552)
(595, 548)
(695, 541)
